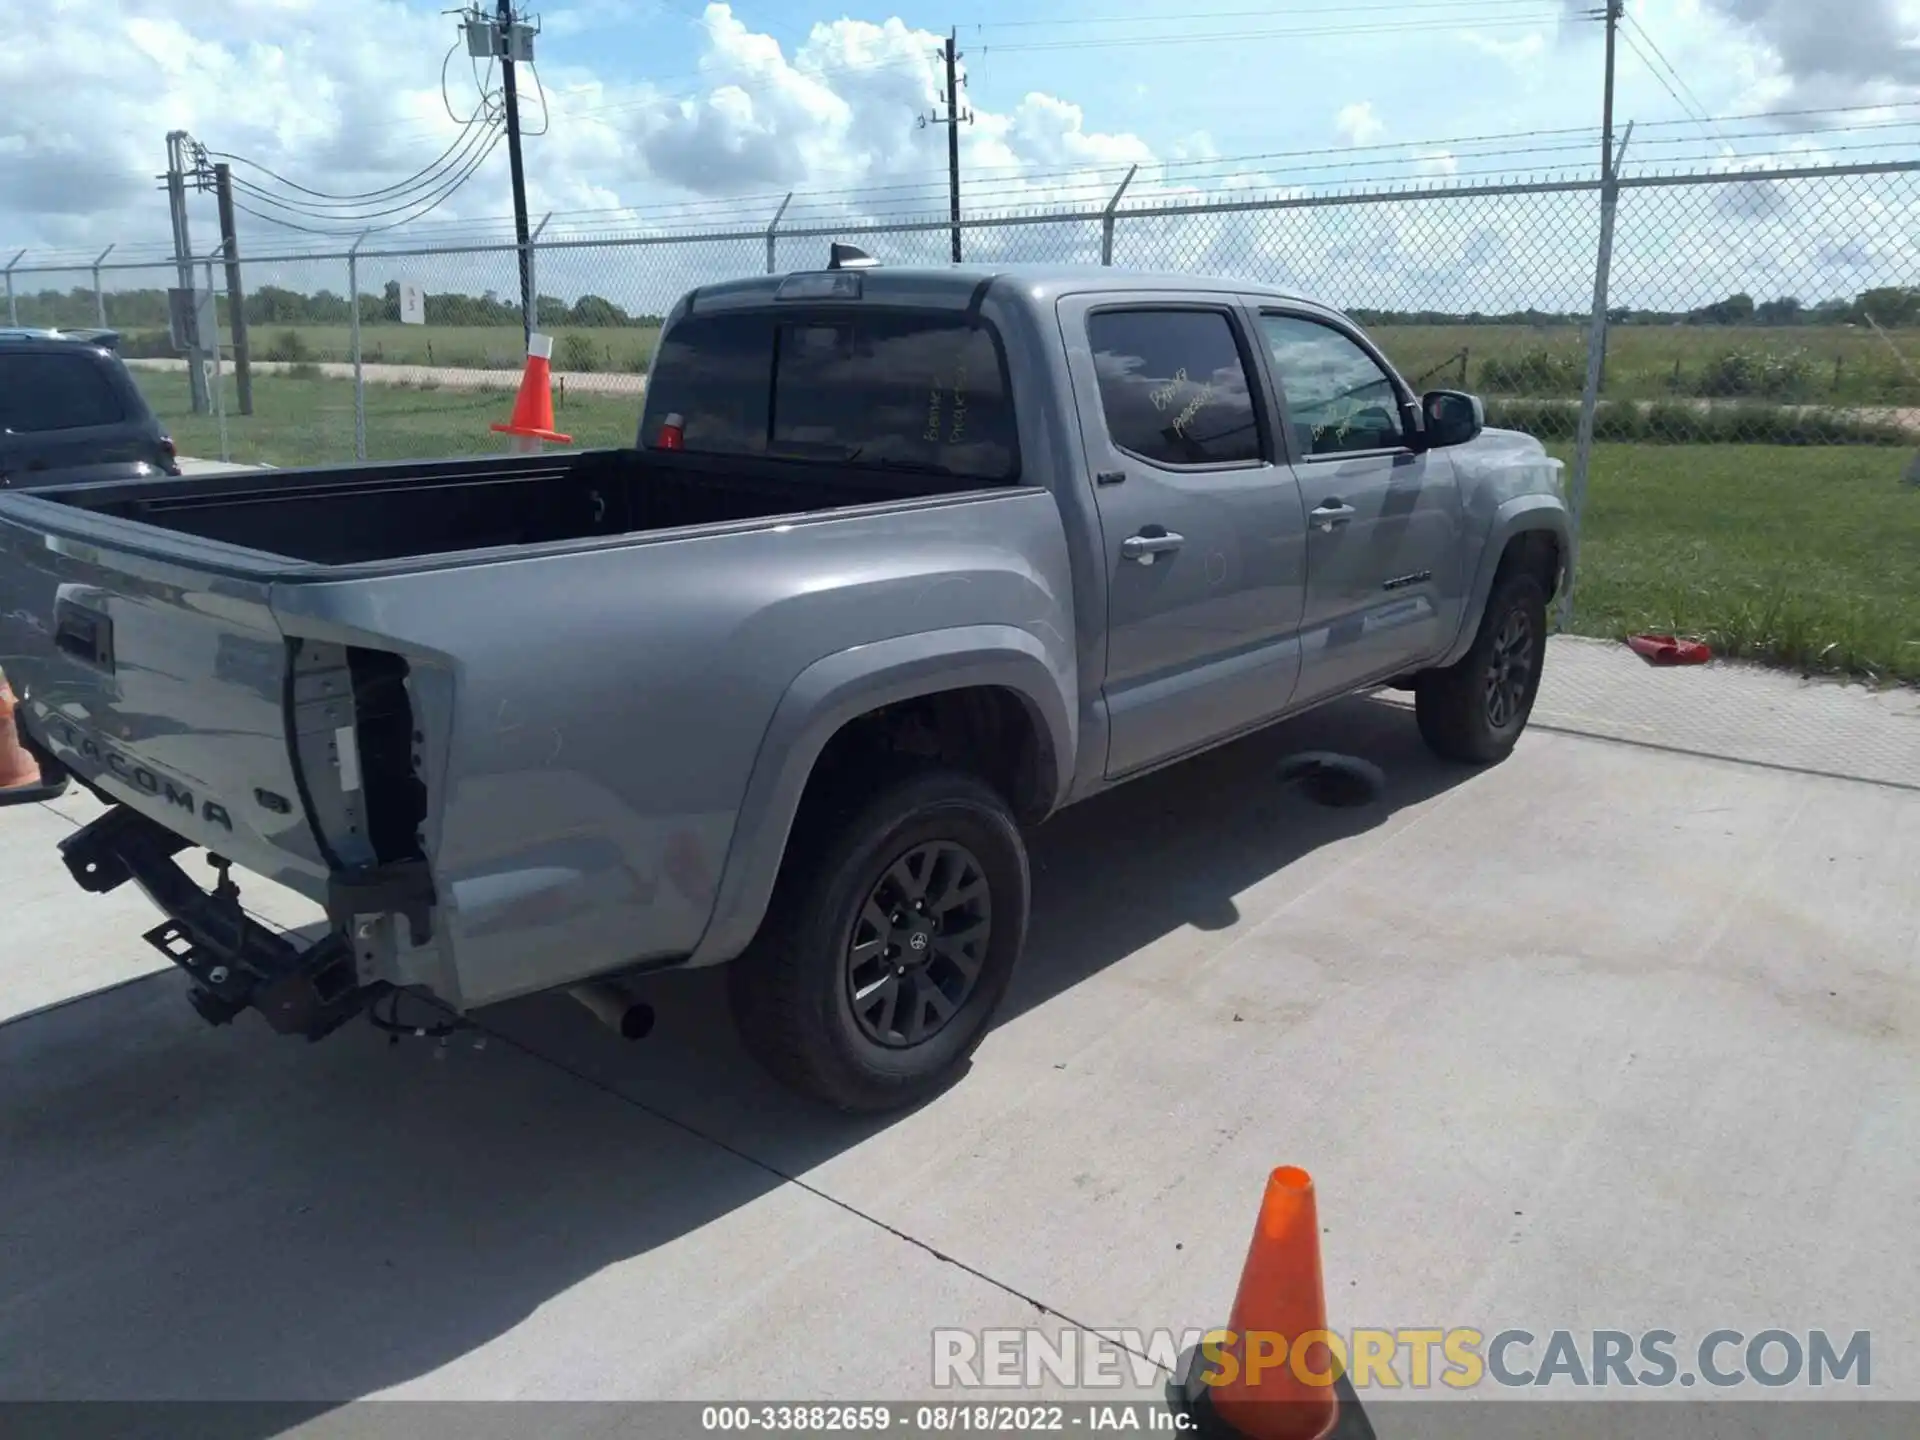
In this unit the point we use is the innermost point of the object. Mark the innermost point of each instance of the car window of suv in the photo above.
(909, 389)
(41, 391)
(1338, 399)
(1174, 387)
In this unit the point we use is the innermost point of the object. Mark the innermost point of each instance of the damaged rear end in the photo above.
(172, 692)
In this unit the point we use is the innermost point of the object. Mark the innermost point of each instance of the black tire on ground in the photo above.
(893, 931)
(1475, 710)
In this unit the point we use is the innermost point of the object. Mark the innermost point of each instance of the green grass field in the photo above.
(1809, 364)
(477, 347)
(1801, 556)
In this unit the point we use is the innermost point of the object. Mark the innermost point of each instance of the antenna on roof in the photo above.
(849, 257)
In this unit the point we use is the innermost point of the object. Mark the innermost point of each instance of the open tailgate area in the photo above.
(169, 689)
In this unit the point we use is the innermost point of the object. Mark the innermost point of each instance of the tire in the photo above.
(1475, 710)
(816, 1014)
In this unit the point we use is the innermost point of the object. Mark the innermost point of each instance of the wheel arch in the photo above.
(1529, 530)
(972, 681)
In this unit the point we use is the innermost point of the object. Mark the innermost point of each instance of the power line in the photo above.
(1691, 104)
(432, 204)
(335, 209)
(426, 174)
(1221, 36)
(1264, 12)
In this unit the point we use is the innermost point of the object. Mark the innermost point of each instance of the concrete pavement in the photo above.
(1612, 1035)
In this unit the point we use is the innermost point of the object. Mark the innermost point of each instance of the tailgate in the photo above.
(170, 687)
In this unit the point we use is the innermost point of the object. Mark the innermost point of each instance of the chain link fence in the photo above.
(1752, 386)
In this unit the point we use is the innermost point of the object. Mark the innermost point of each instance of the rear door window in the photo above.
(41, 392)
(1173, 386)
(886, 388)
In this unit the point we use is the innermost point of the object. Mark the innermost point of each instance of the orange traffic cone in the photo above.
(20, 780)
(1276, 1372)
(533, 406)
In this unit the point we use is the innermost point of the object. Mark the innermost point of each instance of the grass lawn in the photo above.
(1803, 556)
(627, 348)
(310, 422)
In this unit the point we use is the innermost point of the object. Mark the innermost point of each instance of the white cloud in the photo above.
(1358, 125)
(1522, 54)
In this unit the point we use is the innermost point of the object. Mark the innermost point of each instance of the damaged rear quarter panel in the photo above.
(587, 753)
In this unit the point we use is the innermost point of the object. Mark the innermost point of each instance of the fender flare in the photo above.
(1517, 516)
(846, 684)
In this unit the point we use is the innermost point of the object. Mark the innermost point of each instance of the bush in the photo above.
(1752, 370)
(1677, 423)
(290, 347)
(1538, 371)
(577, 352)
(303, 370)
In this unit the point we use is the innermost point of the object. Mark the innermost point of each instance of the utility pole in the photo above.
(953, 120)
(510, 91)
(177, 142)
(236, 295)
(1614, 9)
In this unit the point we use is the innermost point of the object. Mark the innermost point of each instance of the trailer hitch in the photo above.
(234, 962)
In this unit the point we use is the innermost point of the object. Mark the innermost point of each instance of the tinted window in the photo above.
(1173, 386)
(56, 392)
(714, 372)
(881, 388)
(1338, 399)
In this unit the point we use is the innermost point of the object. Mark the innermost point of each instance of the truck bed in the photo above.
(342, 515)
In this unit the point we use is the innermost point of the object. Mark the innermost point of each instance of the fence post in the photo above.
(1106, 218)
(533, 282)
(13, 313)
(99, 295)
(1596, 352)
(359, 380)
(772, 228)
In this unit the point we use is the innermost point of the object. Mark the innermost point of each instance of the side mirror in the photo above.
(1451, 417)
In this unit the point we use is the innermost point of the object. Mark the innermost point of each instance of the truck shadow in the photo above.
(196, 1214)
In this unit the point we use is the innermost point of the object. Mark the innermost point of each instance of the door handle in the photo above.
(1147, 544)
(1329, 513)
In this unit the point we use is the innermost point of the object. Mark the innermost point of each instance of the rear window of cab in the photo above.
(892, 388)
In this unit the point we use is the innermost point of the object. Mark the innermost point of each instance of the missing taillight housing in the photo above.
(396, 798)
(172, 454)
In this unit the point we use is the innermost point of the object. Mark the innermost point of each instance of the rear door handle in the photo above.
(1329, 513)
(1147, 544)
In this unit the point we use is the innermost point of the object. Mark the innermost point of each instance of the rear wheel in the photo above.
(892, 935)
(1475, 710)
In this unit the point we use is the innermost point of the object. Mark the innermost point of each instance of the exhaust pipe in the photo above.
(614, 1008)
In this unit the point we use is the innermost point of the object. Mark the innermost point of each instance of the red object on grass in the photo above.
(1669, 650)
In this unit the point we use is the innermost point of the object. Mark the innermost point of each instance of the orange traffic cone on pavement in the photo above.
(1276, 1372)
(533, 406)
(20, 780)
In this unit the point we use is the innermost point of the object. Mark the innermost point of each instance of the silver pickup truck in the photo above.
(901, 562)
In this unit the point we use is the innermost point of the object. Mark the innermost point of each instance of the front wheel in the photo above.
(890, 941)
(1475, 710)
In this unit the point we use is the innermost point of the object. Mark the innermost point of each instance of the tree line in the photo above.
(277, 305)
(1890, 306)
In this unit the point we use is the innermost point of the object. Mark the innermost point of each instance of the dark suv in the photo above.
(70, 411)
